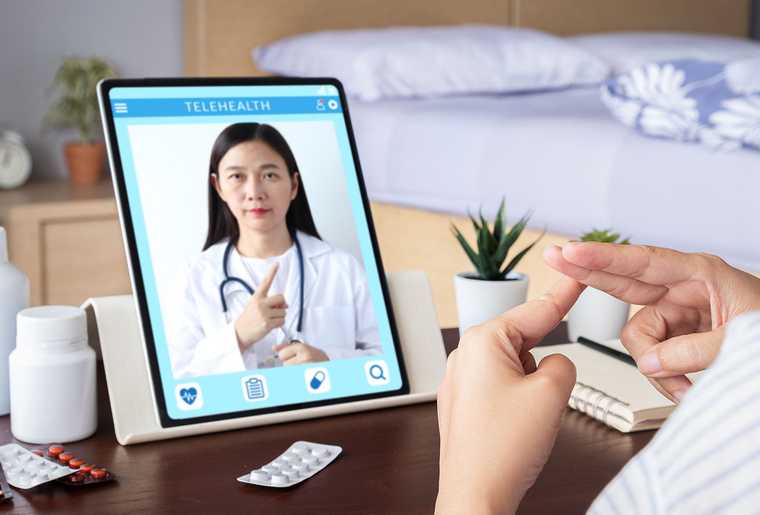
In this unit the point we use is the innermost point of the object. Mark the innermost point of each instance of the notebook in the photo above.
(610, 390)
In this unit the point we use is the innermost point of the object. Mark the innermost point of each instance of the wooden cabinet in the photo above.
(67, 239)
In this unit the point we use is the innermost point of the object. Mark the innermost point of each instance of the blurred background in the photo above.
(50, 218)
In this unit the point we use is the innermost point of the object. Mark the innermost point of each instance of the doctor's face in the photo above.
(254, 182)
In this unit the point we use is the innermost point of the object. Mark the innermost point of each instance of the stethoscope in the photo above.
(231, 279)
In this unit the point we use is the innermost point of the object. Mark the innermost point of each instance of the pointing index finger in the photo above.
(266, 283)
(534, 319)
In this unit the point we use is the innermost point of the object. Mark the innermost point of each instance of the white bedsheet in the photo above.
(562, 155)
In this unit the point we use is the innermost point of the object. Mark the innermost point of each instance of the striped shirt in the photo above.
(706, 457)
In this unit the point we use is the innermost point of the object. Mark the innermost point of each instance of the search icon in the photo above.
(376, 372)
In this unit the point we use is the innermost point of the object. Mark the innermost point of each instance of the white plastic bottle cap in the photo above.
(51, 325)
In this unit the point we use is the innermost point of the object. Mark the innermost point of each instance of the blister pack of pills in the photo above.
(24, 469)
(298, 463)
(84, 473)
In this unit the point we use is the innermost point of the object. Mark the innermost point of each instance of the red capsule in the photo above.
(75, 463)
(76, 478)
(65, 457)
(55, 450)
(86, 468)
(98, 473)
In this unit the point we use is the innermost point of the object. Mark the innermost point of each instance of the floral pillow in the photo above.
(714, 104)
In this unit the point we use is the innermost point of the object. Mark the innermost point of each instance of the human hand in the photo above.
(689, 298)
(262, 313)
(298, 353)
(498, 414)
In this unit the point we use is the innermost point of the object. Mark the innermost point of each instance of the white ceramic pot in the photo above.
(597, 316)
(479, 300)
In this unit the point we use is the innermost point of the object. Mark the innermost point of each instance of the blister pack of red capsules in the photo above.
(86, 473)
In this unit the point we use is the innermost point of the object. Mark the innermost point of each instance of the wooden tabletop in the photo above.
(54, 191)
(389, 465)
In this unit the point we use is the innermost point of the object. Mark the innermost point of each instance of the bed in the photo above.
(417, 185)
(535, 150)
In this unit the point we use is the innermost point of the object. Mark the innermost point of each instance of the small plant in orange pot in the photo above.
(77, 108)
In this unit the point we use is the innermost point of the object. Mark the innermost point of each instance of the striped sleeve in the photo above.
(706, 457)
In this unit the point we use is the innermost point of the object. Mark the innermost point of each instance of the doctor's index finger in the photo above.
(648, 264)
(266, 283)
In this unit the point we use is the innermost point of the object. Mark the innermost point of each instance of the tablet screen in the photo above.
(251, 245)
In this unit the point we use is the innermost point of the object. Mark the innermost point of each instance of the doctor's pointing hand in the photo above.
(265, 313)
(262, 313)
(267, 290)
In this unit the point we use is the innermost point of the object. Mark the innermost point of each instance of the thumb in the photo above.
(682, 354)
(556, 373)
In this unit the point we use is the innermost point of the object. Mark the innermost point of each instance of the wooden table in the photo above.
(389, 465)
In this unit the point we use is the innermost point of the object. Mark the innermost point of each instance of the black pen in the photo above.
(622, 356)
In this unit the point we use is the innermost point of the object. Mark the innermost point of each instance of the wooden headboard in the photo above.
(219, 34)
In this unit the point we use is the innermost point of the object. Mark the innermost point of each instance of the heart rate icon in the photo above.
(188, 395)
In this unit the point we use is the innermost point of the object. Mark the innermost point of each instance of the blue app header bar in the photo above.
(279, 90)
(216, 106)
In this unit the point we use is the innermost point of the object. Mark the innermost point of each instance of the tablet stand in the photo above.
(114, 331)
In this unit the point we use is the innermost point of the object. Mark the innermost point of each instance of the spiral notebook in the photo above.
(610, 390)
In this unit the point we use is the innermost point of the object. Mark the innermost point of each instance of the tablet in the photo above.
(251, 248)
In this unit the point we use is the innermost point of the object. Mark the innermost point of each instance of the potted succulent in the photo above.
(494, 287)
(597, 315)
(77, 108)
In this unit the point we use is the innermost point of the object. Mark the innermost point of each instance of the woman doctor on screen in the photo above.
(266, 290)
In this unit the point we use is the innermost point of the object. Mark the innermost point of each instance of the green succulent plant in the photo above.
(494, 245)
(604, 236)
(76, 107)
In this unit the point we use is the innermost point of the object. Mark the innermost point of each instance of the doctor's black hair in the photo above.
(221, 222)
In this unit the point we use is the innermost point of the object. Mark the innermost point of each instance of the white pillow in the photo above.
(626, 50)
(434, 61)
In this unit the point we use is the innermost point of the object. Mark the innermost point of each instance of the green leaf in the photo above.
(493, 245)
(467, 249)
(604, 236)
(510, 238)
(483, 221)
(474, 223)
(515, 260)
(75, 83)
(490, 243)
(499, 222)
(486, 267)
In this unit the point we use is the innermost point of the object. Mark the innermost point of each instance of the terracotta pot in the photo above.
(85, 161)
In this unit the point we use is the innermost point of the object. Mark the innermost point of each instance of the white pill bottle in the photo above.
(14, 296)
(52, 376)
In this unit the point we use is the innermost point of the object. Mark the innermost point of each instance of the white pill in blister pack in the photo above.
(298, 463)
(24, 469)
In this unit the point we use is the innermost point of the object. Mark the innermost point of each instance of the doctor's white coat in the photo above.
(338, 315)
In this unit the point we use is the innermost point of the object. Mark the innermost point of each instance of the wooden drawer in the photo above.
(71, 250)
(83, 258)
